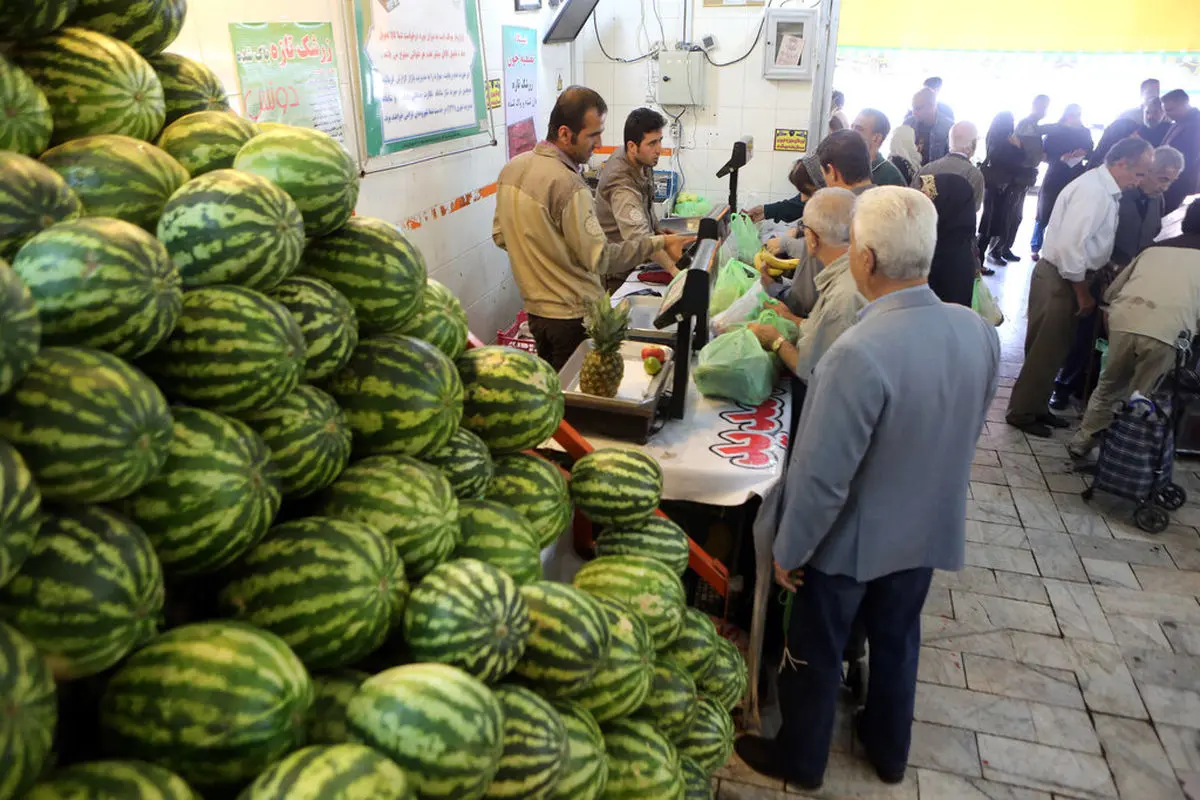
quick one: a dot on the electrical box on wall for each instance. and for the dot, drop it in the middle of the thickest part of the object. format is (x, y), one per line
(681, 78)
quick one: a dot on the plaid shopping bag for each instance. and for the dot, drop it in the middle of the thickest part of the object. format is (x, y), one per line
(1138, 451)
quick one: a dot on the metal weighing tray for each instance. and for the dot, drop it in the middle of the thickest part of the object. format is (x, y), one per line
(642, 311)
(629, 415)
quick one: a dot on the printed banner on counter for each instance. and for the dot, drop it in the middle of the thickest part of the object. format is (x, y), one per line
(287, 72)
(520, 88)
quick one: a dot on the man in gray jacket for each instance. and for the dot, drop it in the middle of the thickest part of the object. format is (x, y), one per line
(876, 491)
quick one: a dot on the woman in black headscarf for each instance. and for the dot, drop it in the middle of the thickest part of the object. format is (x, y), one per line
(952, 276)
(1004, 165)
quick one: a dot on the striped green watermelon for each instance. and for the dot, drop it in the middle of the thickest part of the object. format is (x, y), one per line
(535, 746)
(118, 176)
(25, 119)
(109, 780)
(616, 486)
(206, 140)
(468, 614)
(20, 329)
(20, 512)
(569, 640)
(466, 463)
(695, 648)
(513, 399)
(333, 590)
(646, 585)
(400, 394)
(95, 84)
(654, 537)
(231, 227)
(315, 170)
(232, 350)
(374, 266)
(31, 712)
(32, 198)
(147, 26)
(642, 763)
(309, 439)
(671, 703)
(441, 320)
(215, 497)
(624, 677)
(188, 86)
(586, 772)
(407, 501)
(443, 727)
(216, 702)
(497, 535)
(103, 283)
(21, 19)
(326, 319)
(331, 695)
(89, 593)
(342, 771)
(91, 428)
(726, 680)
(709, 739)
(537, 489)
(697, 785)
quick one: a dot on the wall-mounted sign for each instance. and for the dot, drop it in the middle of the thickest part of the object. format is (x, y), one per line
(493, 94)
(791, 140)
(520, 88)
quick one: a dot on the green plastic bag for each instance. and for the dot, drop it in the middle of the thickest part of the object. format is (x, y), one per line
(694, 208)
(985, 305)
(733, 281)
(744, 233)
(735, 366)
(785, 326)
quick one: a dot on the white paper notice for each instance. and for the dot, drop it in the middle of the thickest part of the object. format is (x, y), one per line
(791, 48)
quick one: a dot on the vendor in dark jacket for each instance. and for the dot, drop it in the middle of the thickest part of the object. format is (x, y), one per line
(1068, 144)
(1003, 189)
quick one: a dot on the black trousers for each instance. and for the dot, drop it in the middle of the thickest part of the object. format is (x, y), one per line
(1081, 369)
(557, 339)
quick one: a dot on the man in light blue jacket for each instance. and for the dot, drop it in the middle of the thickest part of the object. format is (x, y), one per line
(876, 491)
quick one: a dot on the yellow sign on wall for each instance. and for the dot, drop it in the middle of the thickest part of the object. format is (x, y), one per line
(791, 140)
(493, 93)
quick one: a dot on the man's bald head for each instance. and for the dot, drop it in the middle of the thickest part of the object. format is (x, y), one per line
(964, 138)
(924, 106)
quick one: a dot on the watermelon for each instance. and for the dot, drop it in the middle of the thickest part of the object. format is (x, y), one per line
(319, 175)
(468, 614)
(30, 712)
(107, 591)
(344, 771)
(216, 702)
(695, 648)
(586, 771)
(569, 640)
(118, 176)
(331, 695)
(326, 319)
(697, 785)
(642, 763)
(727, 679)
(333, 590)
(109, 780)
(147, 26)
(91, 428)
(616, 486)
(537, 489)
(654, 537)
(535, 746)
(374, 266)
(624, 677)
(671, 703)
(20, 512)
(232, 350)
(20, 329)
(309, 439)
(513, 399)
(497, 535)
(709, 739)
(407, 501)
(188, 86)
(22, 19)
(95, 84)
(25, 119)
(102, 283)
(230, 227)
(206, 140)
(400, 394)
(214, 499)
(443, 727)
(646, 585)
(32, 198)
(465, 462)
(441, 320)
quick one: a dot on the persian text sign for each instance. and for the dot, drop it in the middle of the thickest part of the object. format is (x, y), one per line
(791, 140)
(520, 88)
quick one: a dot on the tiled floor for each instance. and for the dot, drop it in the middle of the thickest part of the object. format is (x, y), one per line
(1064, 660)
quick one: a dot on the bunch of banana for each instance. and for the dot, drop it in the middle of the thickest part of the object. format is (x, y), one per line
(775, 266)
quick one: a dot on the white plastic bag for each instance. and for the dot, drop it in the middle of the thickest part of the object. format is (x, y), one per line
(744, 309)
(985, 304)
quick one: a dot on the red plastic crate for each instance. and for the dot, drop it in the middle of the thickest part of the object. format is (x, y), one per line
(509, 338)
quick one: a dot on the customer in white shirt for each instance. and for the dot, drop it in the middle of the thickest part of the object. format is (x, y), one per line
(1079, 241)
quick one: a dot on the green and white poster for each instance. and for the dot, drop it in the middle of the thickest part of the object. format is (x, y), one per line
(287, 72)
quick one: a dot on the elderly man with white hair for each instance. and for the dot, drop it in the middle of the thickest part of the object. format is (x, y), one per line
(964, 140)
(876, 491)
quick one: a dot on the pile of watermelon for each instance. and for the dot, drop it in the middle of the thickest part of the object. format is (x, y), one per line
(268, 527)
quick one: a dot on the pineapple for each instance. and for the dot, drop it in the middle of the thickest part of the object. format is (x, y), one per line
(604, 367)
